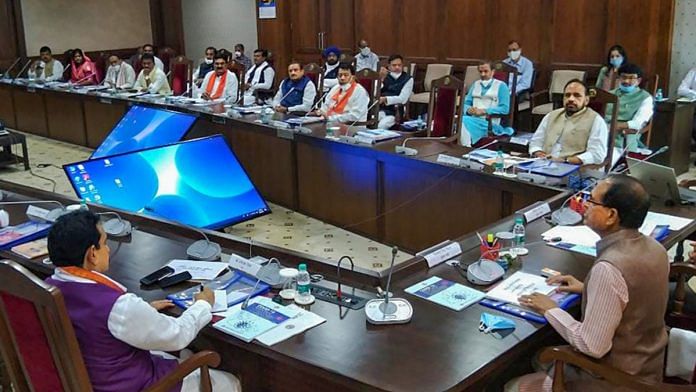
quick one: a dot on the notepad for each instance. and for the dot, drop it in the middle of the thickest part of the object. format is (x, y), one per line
(446, 293)
(518, 284)
(32, 249)
(261, 315)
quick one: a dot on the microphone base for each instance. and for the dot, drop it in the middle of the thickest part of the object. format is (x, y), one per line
(484, 272)
(565, 217)
(398, 311)
(117, 228)
(405, 151)
(204, 250)
(472, 165)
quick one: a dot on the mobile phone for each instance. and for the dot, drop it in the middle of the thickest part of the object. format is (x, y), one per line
(157, 275)
(174, 279)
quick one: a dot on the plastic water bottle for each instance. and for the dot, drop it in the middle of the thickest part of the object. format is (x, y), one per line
(499, 164)
(421, 123)
(303, 289)
(658, 95)
(519, 231)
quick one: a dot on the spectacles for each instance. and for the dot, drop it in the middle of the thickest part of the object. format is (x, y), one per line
(595, 202)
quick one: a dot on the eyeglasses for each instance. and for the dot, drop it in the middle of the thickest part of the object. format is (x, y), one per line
(595, 202)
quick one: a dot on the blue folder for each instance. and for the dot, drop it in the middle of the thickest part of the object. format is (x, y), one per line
(564, 301)
(237, 284)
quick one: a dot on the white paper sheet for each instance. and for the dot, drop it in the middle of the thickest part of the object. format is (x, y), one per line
(578, 235)
(519, 283)
(654, 218)
(302, 322)
(199, 270)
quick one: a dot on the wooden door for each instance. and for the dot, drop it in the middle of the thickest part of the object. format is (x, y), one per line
(339, 25)
(306, 29)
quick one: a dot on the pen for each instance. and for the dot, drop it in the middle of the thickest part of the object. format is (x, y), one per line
(480, 238)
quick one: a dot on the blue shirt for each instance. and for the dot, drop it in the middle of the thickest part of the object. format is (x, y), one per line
(525, 70)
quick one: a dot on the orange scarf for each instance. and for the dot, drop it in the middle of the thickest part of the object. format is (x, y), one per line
(86, 274)
(341, 102)
(220, 87)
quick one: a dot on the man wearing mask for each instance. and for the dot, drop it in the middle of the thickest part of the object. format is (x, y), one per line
(241, 57)
(525, 68)
(331, 56)
(574, 133)
(120, 74)
(397, 87)
(149, 49)
(365, 57)
(151, 78)
(347, 101)
(205, 66)
(219, 83)
(635, 104)
(260, 76)
(46, 68)
(486, 96)
(296, 92)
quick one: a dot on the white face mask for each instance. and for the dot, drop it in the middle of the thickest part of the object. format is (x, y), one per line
(395, 75)
(114, 68)
(237, 54)
(486, 83)
(515, 54)
(208, 61)
(42, 64)
(365, 51)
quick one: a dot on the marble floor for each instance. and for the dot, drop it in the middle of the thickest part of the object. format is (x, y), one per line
(283, 227)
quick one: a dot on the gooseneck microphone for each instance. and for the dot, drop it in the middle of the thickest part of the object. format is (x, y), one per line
(473, 165)
(389, 311)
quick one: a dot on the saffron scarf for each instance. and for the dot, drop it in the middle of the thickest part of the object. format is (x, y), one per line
(94, 277)
(340, 102)
(220, 88)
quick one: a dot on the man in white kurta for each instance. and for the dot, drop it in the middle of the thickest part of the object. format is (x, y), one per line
(151, 79)
(348, 101)
(258, 77)
(120, 74)
(220, 83)
(397, 87)
(296, 93)
(485, 97)
(46, 68)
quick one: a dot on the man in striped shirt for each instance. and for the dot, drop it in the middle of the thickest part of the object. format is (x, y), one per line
(624, 294)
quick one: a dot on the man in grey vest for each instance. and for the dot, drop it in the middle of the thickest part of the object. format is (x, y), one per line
(574, 133)
(624, 296)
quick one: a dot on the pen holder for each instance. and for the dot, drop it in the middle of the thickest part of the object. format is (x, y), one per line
(490, 252)
(577, 205)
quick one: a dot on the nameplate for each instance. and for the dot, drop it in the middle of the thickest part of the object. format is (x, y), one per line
(105, 100)
(536, 212)
(31, 89)
(241, 264)
(519, 140)
(364, 139)
(449, 160)
(285, 133)
(219, 120)
(37, 213)
(441, 252)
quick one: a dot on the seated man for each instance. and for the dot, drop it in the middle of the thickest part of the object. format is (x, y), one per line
(205, 66)
(331, 55)
(149, 49)
(525, 68)
(120, 74)
(574, 133)
(46, 68)
(220, 83)
(117, 330)
(151, 78)
(687, 89)
(346, 102)
(260, 76)
(241, 57)
(635, 104)
(397, 87)
(486, 96)
(624, 294)
(296, 93)
(365, 57)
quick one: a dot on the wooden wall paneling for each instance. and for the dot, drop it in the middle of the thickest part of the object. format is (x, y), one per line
(339, 24)
(12, 43)
(30, 113)
(505, 19)
(306, 27)
(579, 32)
(65, 116)
(420, 34)
(378, 22)
(663, 54)
(274, 35)
(167, 24)
(7, 107)
(466, 26)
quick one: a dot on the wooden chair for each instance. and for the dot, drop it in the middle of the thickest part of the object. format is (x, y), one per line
(432, 72)
(181, 75)
(314, 73)
(504, 72)
(238, 69)
(681, 273)
(544, 101)
(445, 107)
(599, 99)
(370, 80)
(471, 74)
(38, 341)
(166, 54)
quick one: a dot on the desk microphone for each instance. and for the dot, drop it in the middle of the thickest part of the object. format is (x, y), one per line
(204, 250)
(248, 297)
(7, 72)
(38, 214)
(81, 80)
(402, 149)
(368, 113)
(66, 69)
(473, 165)
(286, 95)
(303, 129)
(394, 311)
(21, 71)
(116, 227)
(657, 152)
(483, 274)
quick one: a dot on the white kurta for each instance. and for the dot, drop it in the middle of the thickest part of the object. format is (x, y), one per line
(385, 121)
(596, 143)
(122, 76)
(158, 82)
(308, 96)
(230, 90)
(57, 72)
(255, 83)
(355, 109)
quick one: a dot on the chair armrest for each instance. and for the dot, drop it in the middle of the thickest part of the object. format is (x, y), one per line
(561, 355)
(539, 98)
(201, 360)
(677, 269)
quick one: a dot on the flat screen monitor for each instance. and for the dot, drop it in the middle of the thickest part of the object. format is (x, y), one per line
(197, 182)
(143, 127)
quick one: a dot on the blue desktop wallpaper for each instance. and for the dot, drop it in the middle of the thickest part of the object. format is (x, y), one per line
(198, 182)
(142, 127)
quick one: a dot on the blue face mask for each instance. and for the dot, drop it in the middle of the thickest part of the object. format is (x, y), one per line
(491, 323)
(616, 62)
(628, 89)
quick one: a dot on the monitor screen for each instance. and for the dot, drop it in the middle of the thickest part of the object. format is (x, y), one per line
(142, 127)
(198, 182)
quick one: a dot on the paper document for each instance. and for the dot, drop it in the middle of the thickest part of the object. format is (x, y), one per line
(655, 218)
(520, 283)
(199, 270)
(446, 293)
(578, 235)
(296, 325)
(261, 315)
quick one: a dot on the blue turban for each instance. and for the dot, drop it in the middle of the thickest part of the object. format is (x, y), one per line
(332, 49)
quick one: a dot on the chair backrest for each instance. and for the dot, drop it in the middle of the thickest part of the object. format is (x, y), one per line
(410, 68)
(599, 101)
(647, 129)
(445, 108)
(678, 318)
(560, 77)
(237, 68)
(370, 80)
(435, 71)
(508, 74)
(471, 74)
(37, 338)
(180, 74)
(166, 54)
(313, 72)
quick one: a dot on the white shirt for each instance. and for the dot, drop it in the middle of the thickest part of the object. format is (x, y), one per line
(268, 73)
(230, 90)
(355, 109)
(159, 64)
(136, 323)
(596, 149)
(330, 83)
(158, 82)
(643, 115)
(370, 61)
(309, 94)
(57, 72)
(687, 87)
(403, 96)
(122, 76)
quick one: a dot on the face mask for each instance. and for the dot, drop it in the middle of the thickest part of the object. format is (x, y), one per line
(486, 83)
(237, 54)
(114, 68)
(628, 89)
(208, 61)
(395, 75)
(616, 62)
(515, 54)
(491, 323)
(365, 51)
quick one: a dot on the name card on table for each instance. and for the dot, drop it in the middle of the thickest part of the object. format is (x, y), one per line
(441, 252)
(536, 211)
(285, 133)
(449, 160)
(247, 266)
